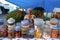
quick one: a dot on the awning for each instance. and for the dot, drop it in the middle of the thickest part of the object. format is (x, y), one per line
(48, 5)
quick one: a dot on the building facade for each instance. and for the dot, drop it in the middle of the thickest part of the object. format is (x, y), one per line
(4, 8)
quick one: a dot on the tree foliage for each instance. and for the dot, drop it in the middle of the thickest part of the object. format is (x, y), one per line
(16, 14)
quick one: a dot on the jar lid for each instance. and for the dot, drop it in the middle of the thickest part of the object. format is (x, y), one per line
(10, 20)
(17, 28)
(54, 20)
(38, 21)
(25, 22)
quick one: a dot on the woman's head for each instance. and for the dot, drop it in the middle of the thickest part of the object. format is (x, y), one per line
(29, 10)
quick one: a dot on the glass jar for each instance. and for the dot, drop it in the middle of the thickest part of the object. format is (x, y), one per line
(38, 32)
(31, 32)
(11, 31)
(17, 31)
(54, 33)
(46, 31)
(4, 31)
(54, 28)
(25, 28)
(39, 22)
(24, 32)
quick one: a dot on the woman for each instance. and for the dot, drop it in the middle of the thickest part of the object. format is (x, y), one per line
(30, 17)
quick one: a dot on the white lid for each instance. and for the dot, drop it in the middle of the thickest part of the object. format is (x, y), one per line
(10, 20)
(17, 28)
(25, 22)
(54, 19)
(38, 21)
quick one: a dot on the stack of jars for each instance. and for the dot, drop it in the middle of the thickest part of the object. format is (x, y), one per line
(54, 28)
(46, 31)
(11, 25)
(25, 28)
(17, 31)
(38, 23)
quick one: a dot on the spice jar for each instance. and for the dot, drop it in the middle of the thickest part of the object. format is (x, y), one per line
(46, 31)
(11, 29)
(54, 28)
(24, 32)
(4, 31)
(17, 31)
(38, 33)
(25, 28)
(31, 32)
(54, 33)
(38, 24)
